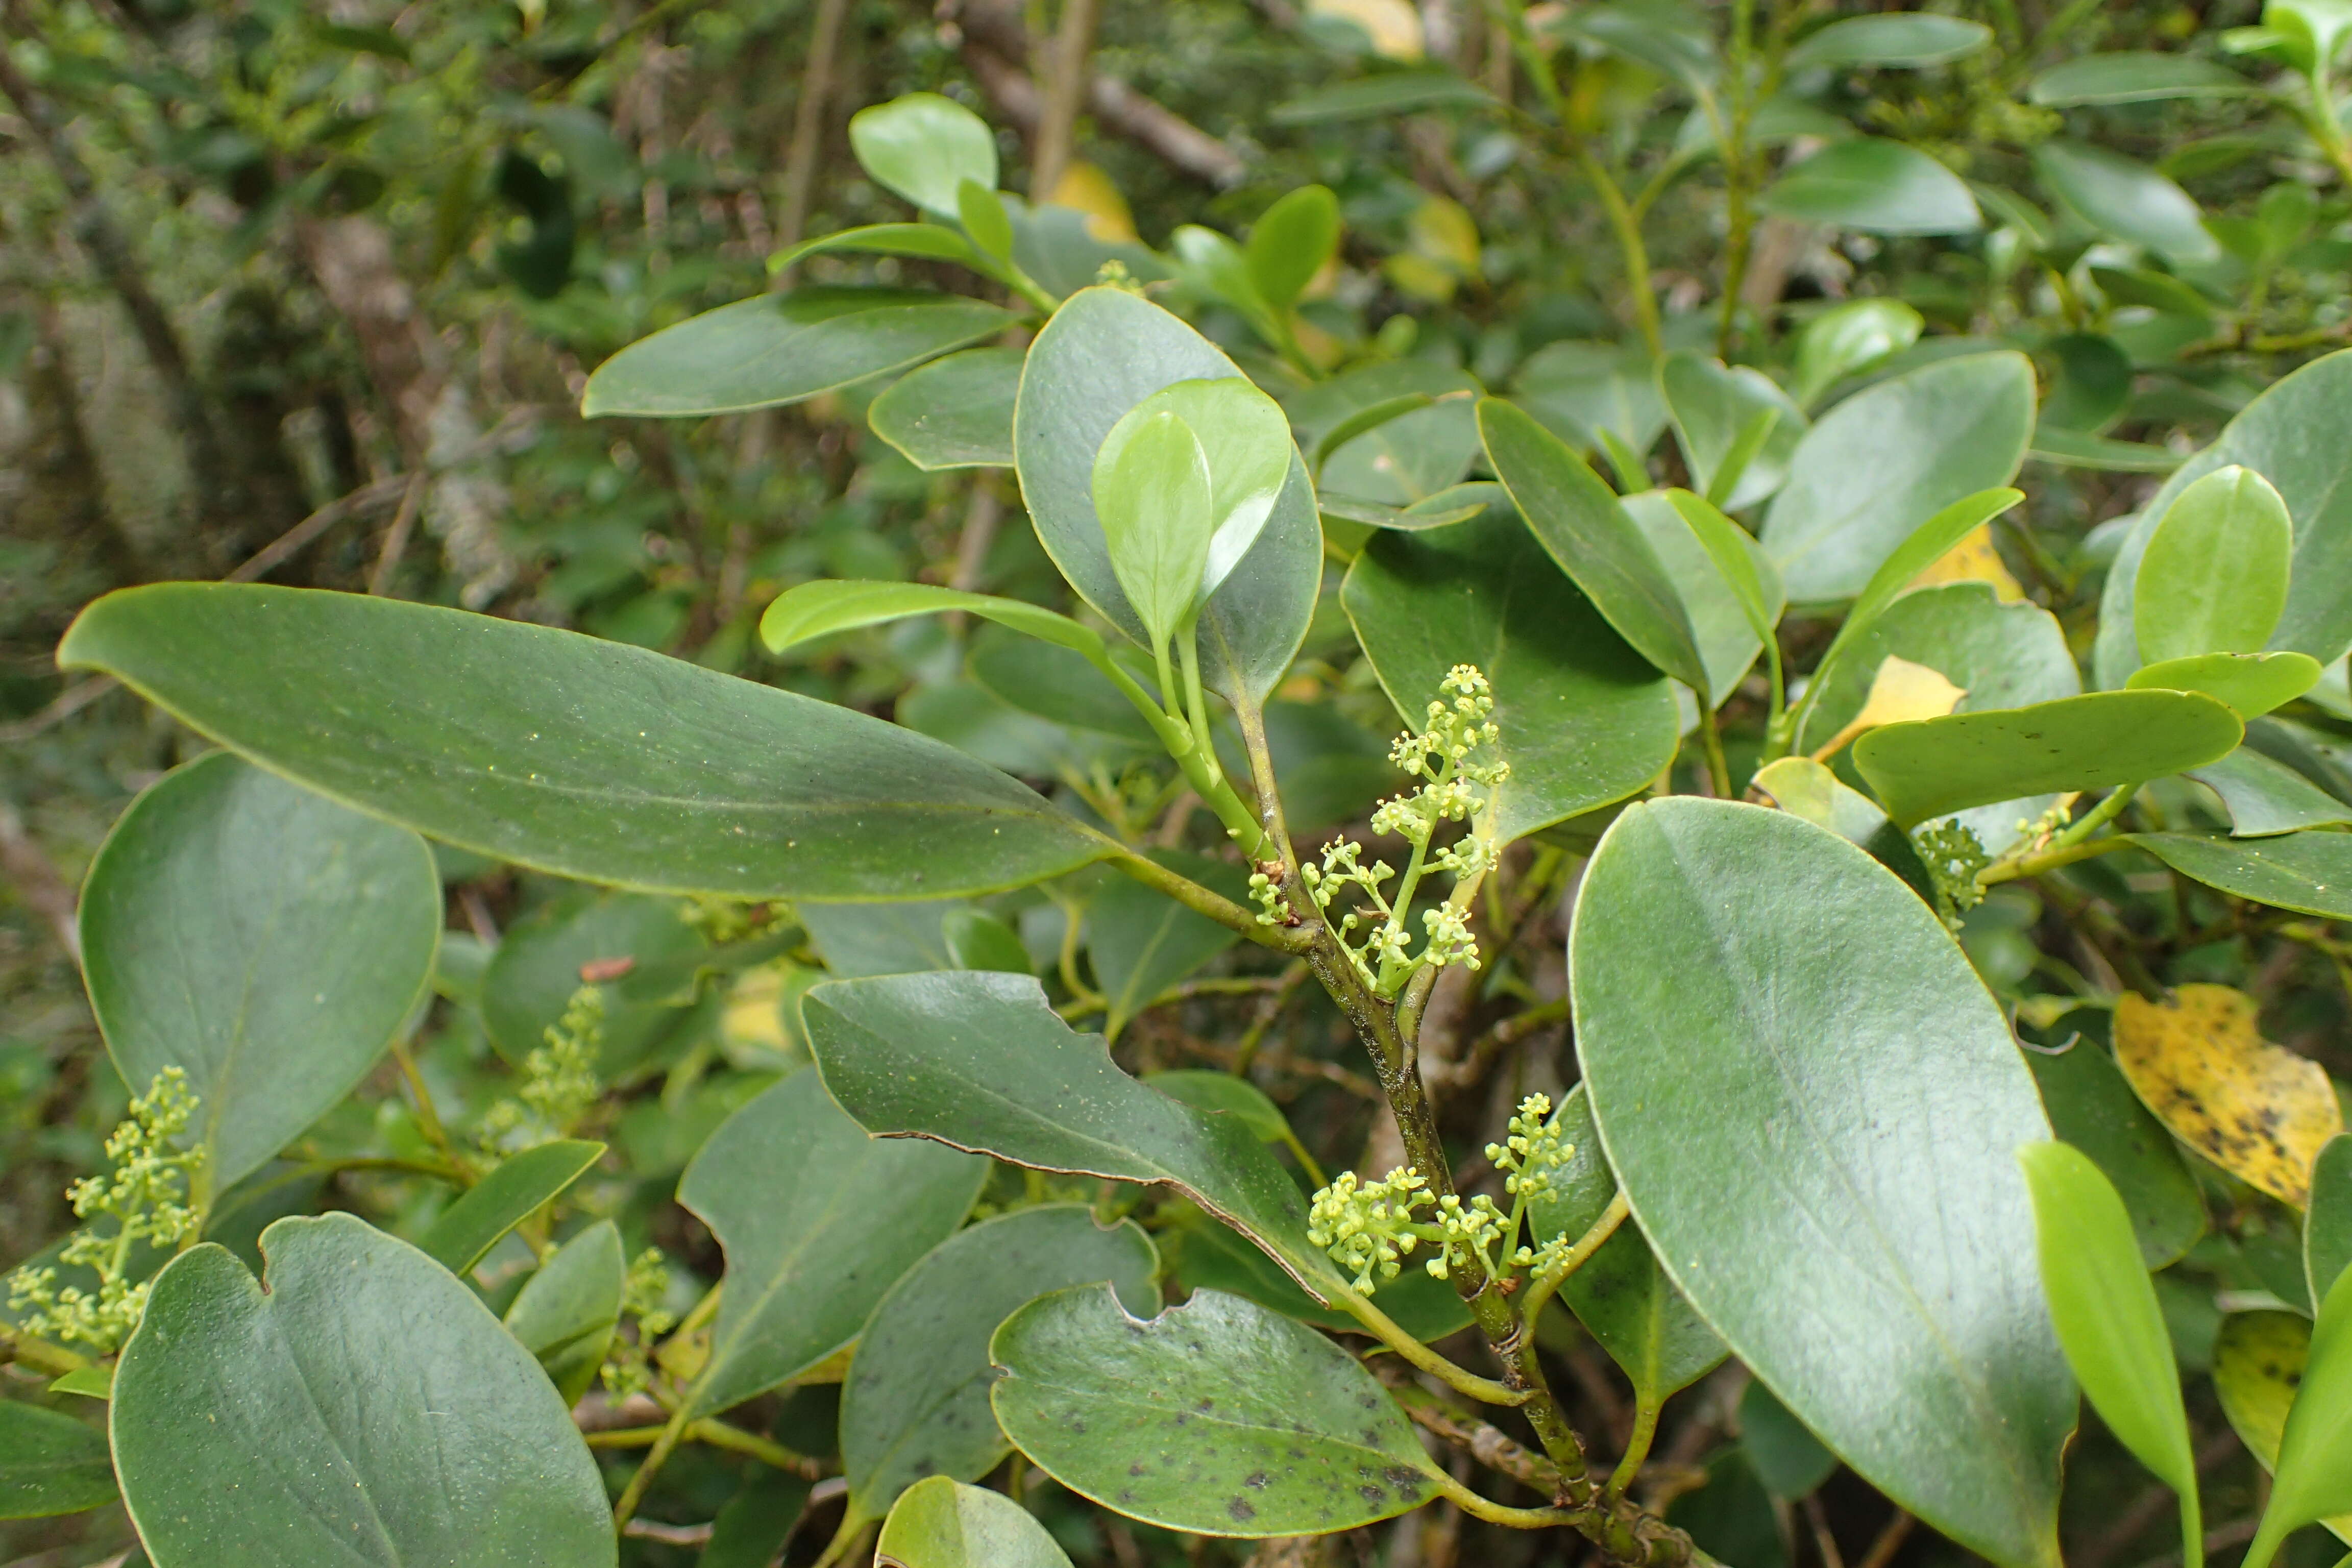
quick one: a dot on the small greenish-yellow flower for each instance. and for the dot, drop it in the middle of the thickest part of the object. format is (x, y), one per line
(558, 1085)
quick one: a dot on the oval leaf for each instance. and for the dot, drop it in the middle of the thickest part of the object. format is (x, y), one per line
(1875, 185)
(1152, 490)
(2132, 76)
(2307, 872)
(566, 1312)
(953, 413)
(924, 147)
(942, 1524)
(2252, 684)
(1894, 38)
(50, 1463)
(1713, 409)
(1845, 338)
(2129, 200)
(2266, 797)
(518, 1188)
(2213, 577)
(1291, 243)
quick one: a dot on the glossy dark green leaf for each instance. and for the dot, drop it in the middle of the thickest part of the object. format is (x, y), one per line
(2307, 872)
(1224, 1092)
(1731, 1517)
(940, 1523)
(1844, 338)
(2252, 684)
(982, 1062)
(1104, 351)
(1621, 1295)
(2108, 1323)
(2135, 76)
(817, 1219)
(1142, 942)
(1892, 39)
(50, 1463)
(519, 1187)
(953, 413)
(2327, 1223)
(1585, 720)
(366, 1409)
(1875, 185)
(978, 941)
(924, 147)
(751, 1530)
(1290, 242)
(2266, 797)
(635, 943)
(1932, 767)
(567, 1310)
(2129, 200)
(1713, 408)
(1218, 1417)
(2093, 385)
(2093, 1109)
(897, 937)
(784, 348)
(1580, 522)
(1880, 464)
(1793, 1067)
(263, 939)
(916, 1402)
(2288, 434)
(2213, 576)
(592, 759)
(2312, 1479)
(1789, 1460)
(928, 241)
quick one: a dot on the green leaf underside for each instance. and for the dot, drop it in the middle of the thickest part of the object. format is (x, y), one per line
(1218, 1417)
(567, 1310)
(953, 413)
(502, 1200)
(816, 1219)
(50, 1463)
(1930, 767)
(916, 1402)
(2310, 873)
(563, 752)
(980, 1061)
(264, 939)
(942, 1524)
(784, 348)
(367, 1409)
(2266, 797)
(1585, 720)
(1795, 1071)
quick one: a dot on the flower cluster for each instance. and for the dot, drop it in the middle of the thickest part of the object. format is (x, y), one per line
(1367, 1227)
(148, 1195)
(558, 1086)
(628, 1364)
(1953, 855)
(725, 921)
(1455, 786)
(1533, 1152)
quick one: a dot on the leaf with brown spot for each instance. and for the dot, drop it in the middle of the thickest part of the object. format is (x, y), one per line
(2258, 1360)
(2258, 1111)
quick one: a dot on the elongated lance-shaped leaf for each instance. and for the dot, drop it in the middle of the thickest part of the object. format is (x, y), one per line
(929, 241)
(2308, 872)
(953, 413)
(2327, 1223)
(2313, 1480)
(1727, 546)
(819, 609)
(1152, 491)
(567, 1311)
(2108, 1323)
(518, 1188)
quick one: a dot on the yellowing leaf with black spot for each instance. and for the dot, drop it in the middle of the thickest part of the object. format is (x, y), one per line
(2258, 1362)
(2258, 1111)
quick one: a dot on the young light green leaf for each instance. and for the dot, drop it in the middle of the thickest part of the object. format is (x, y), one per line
(265, 939)
(520, 1188)
(2091, 1107)
(2214, 575)
(1247, 438)
(1217, 1416)
(1729, 546)
(942, 1524)
(953, 413)
(925, 148)
(50, 1463)
(1151, 490)
(2327, 1223)
(819, 609)
(1291, 243)
(2108, 1323)
(1875, 185)
(1908, 39)
(567, 1310)
(2312, 1479)
(1929, 768)
(982, 217)
(365, 1408)
(1844, 338)
(1727, 641)
(816, 1219)
(926, 241)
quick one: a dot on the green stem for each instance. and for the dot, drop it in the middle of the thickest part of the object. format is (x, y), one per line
(1477, 1507)
(1718, 772)
(2192, 1527)
(1205, 901)
(716, 1434)
(1635, 252)
(1381, 1327)
(1541, 1292)
(428, 1117)
(635, 1493)
(1637, 1447)
(2065, 848)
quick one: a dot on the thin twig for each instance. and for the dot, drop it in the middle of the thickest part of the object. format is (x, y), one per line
(808, 120)
(668, 1534)
(64, 705)
(1066, 81)
(1890, 1541)
(395, 538)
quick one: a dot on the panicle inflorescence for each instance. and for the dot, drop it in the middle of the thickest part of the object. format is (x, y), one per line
(558, 1085)
(1953, 855)
(628, 1364)
(148, 1194)
(1367, 1227)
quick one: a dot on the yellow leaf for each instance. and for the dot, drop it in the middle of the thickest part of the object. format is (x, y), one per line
(1085, 187)
(2256, 1109)
(1972, 560)
(1420, 278)
(1392, 26)
(2258, 1360)
(1900, 691)
(1443, 231)
(755, 1010)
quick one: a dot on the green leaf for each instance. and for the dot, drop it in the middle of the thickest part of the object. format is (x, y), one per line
(982, 1062)
(1058, 684)
(1910, 39)
(2213, 576)
(96, 1382)
(1222, 1092)
(50, 1463)
(2129, 200)
(820, 609)
(924, 147)
(1217, 1416)
(1585, 720)
(977, 940)
(1930, 768)
(365, 1408)
(2310, 873)
(1142, 942)
(567, 1310)
(896, 938)
(2258, 1362)
(2107, 1319)
(915, 1403)
(2093, 386)
(265, 939)
(983, 215)
(1152, 491)
(1209, 1257)
(2327, 1223)
(1104, 352)
(1714, 410)
(784, 348)
(1876, 186)
(926, 241)
(1581, 525)
(1789, 1460)
(1879, 463)
(516, 1189)
(1245, 438)
(1290, 242)
(1793, 1068)
(1621, 1295)
(816, 1219)
(940, 1523)
(1581, 389)
(953, 413)
(2266, 797)
(559, 751)
(1805, 788)
(2289, 435)
(2073, 449)
(2252, 684)
(1381, 96)
(1845, 338)
(751, 1530)
(2312, 1479)
(2093, 1108)
(1721, 618)
(2135, 76)
(635, 940)
(1420, 446)
(1740, 563)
